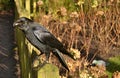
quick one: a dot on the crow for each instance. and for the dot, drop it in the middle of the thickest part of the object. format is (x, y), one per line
(42, 39)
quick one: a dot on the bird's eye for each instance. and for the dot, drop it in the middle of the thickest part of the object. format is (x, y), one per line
(21, 21)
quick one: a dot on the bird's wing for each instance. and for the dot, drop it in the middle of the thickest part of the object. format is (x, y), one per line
(47, 38)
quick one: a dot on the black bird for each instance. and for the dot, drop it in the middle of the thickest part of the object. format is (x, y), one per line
(42, 39)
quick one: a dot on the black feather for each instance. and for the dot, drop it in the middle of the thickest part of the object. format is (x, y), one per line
(42, 39)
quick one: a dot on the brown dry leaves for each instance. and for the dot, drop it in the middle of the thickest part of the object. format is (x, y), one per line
(99, 13)
(94, 72)
(116, 74)
(40, 3)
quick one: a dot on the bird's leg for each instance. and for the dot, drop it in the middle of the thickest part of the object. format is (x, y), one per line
(47, 54)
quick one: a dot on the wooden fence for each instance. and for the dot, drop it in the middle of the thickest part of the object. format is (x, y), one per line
(27, 8)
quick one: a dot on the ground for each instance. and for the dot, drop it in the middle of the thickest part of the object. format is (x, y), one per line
(7, 44)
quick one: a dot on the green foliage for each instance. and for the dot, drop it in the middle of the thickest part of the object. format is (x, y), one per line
(58, 8)
(6, 4)
(54, 5)
(114, 65)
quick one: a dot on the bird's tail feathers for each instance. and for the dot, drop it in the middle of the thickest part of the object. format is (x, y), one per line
(61, 59)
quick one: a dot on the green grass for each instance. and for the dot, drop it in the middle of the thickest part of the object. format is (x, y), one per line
(6, 4)
(114, 65)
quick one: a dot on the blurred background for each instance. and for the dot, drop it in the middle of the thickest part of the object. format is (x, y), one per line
(90, 29)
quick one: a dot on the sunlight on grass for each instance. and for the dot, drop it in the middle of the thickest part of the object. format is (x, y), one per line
(114, 65)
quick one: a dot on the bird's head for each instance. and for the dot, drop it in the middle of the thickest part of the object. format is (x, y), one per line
(22, 23)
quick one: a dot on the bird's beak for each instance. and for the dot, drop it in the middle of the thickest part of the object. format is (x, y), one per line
(15, 24)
